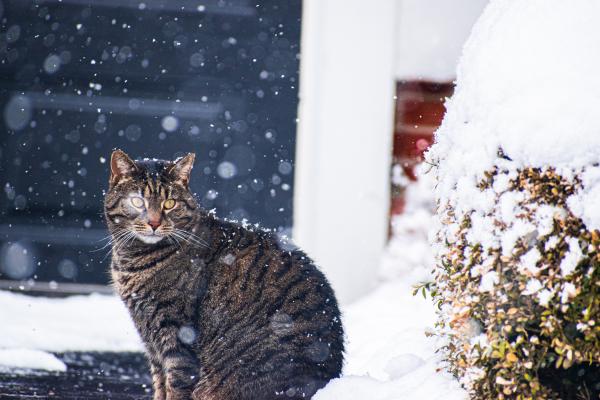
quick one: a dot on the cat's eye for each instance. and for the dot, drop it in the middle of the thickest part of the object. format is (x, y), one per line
(168, 204)
(137, 202)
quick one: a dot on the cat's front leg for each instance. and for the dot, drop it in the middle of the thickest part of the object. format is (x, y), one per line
(182, 374)
(158, 382)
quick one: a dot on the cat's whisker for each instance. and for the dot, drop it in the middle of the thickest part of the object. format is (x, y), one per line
(186, 239)
(110, 234)
(128, 240)
(119, 247)
(107, 237)
(103, 247)
(112, 239)
(192, 237)
(177, 236)
(119, 242)
(174, 238)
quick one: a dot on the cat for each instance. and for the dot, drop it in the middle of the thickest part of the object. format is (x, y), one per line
(225, 312)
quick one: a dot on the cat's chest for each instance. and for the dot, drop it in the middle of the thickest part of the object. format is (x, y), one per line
(148, 293)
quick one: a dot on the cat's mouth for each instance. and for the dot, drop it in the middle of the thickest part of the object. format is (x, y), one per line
(149, 238)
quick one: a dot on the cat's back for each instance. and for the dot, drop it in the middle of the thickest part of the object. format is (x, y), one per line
(270, 320)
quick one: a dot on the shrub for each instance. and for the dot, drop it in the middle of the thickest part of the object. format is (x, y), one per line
(517, 282)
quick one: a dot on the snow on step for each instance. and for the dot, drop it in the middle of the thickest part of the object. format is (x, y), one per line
(26, 359)
(78, 323)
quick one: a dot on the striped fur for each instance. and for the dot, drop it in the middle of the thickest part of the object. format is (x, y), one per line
(226, 312)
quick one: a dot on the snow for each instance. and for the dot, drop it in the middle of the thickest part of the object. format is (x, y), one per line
(572, 257)
(408, 254)
(569, 291)
(533, 286)
(488, 281)
(528, 262)
(584, 203)
(430, 36)
(26, 359)
(544, 297)
(78, 323)
(388, 356)
(521, 68)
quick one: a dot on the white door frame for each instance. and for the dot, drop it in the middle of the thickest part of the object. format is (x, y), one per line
(344, 140)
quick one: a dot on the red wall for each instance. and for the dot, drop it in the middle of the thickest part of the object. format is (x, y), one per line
(419, 112)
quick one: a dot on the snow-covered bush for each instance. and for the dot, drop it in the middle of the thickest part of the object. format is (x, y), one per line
(517, 273)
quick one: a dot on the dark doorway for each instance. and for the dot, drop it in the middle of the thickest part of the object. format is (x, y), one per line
(155, 78)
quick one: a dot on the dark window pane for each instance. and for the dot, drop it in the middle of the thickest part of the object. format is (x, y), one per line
(156, 79)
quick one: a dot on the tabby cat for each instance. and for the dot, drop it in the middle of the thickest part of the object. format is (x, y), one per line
(225, 312)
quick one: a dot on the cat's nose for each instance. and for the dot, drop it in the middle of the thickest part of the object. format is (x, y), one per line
(154, 223)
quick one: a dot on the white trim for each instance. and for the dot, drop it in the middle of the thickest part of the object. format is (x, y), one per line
(343, 151)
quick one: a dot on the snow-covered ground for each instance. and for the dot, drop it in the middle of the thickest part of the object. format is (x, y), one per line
(388, 355)
(33, 327)
(78, 323)
(27, 359)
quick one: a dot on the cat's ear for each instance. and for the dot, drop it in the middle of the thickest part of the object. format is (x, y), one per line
(181, 169)
(121, 166)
